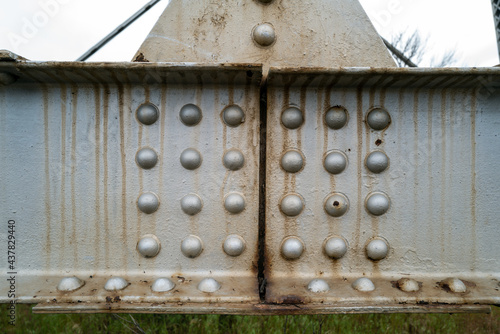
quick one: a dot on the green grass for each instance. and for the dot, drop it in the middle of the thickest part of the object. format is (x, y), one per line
(153, 323)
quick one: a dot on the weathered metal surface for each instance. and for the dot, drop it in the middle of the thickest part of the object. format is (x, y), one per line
(258, 309)
(321, 33)
(72, 182)
(435, 211)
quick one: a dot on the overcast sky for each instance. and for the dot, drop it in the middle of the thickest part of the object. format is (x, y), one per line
(65, 29)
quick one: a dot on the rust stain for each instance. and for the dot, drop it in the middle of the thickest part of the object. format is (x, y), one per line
(74, 107)
(48, 214)
(430, 201)
(63, 172)
(105, 116)
(473, 178)
(123, 156)
(97, 203)
(442, 210)
(415, 169)
(140, 58)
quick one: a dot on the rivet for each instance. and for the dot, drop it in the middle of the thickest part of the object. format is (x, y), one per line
(336, 205)
(116, 284)
(292, 205)
(146, 158)
(149, 245)
(191, 246)
(190, 159)
(377, 249)
(318, 286)
(454, 284)
(264, 34)
(233, 115)
(377, 203)
(292, 248)
(208, 285)
(292, 161)
(363, 284)
(408, 285)
(335, 162)
(190, 114)
(148, 202)
(70, 284)
(335, 247)
(147, 113)
(292, 118)
(234, 203)
(234, 245)
(233, 160)
(377, 162)
(336, 118)
(378, 119)
(162, 284)
(191, 204)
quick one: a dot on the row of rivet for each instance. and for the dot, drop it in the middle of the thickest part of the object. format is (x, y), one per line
(190, 159)
(190, 115)
(149, 246)
(210, 285)
(191, 204)
(161, 284)
(292, 248)
(335, 162)
(336, 204)
(336, 118)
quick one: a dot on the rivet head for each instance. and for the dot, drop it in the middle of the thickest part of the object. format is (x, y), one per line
(453, 284)
(191, 246)
(233, 160)
(149, 245)
(234, 203)
(70, 284)
(377, 203)
(378, 119)
(377, 162)
(292, 118)
(292, 205)
(146, 158)
(264, 34)
(336, 118)
(408, 285)
(208, 285)
(190, 114)
(148, 202)
(335, 162)
(116, 284)
(162, 284)
(292, 161)
(318, 286)
(377, 249)
(147, 113)
(336, 205)
(233, 115)
(191, 204)
(363, 284)
(292, 248)
(335, 247)
(234, 245)
(191, 159)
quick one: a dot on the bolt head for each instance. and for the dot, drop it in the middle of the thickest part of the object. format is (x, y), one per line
(148, 246)
(190, 159)
(146, 158)
(335, 162)
(191, 246)
(264, 34)
(162, 284)
(234, 203)
(116, 284)
(292, 205)
(233, 160)
(208, 285)
(233, 116)
(191, 204)
(234, 245)
(377, 249)
(336, 205)
(363, 284)
(377, 203)
(377, 162)
(190, 115)
(148, 202)
(318, 286)
(378, 119)
(292, 161)
(336, 118)
(147, 113)
(335, 247)
(292, 248)
(292, 118)
(70, 284)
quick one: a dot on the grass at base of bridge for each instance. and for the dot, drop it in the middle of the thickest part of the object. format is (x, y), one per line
(26, 322)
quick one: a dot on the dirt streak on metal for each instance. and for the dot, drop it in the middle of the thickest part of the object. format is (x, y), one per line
(74, 115)
(97, 202)
(473, 178)
(48, 215)
(62, 207)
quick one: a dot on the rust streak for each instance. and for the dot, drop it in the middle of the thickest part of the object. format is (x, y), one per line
(430, 201)
(48, 214)
(63, 173)
(97, 134)
(473, 179)
(105, 116)
(74, 107)
(442, 210)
